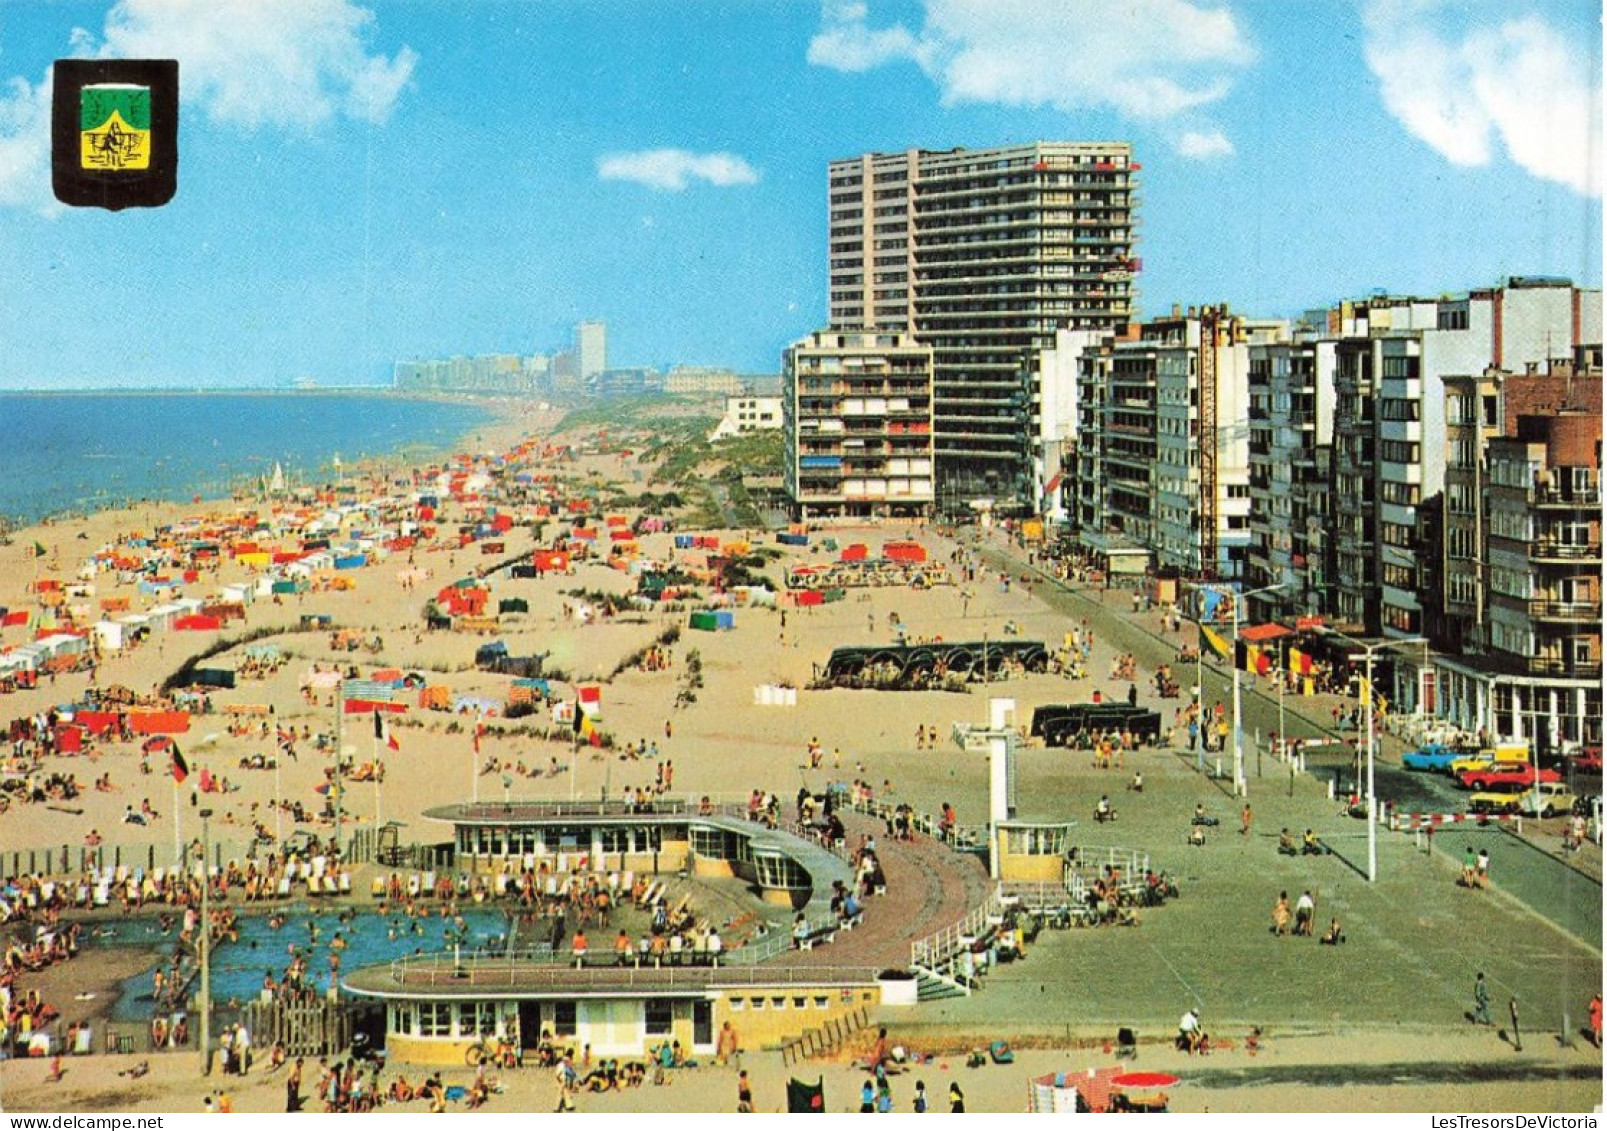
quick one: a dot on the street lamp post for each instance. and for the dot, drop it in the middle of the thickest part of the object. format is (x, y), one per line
(206, 947)
(1372, 742)
(1240, 786)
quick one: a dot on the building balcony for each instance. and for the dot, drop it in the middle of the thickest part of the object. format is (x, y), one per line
(1570, 611)
(1546, 550)
(1567, 498)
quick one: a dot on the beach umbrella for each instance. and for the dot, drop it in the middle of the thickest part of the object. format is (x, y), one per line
(1144, 1081)
(158, 742)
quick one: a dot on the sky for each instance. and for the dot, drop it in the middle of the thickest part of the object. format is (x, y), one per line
(366, 183)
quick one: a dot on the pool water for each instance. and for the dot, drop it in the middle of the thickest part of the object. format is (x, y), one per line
(238, 966)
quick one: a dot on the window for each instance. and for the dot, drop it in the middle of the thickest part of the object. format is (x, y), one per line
(402, 1019)
(660, 1016)
(435, 1019)
(563, 1018)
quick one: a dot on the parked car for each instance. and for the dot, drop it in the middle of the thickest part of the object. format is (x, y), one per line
(1478, 760)
(1552, 800)
(1588, 760)
(1494, 804)
(1507, 776)
(1433, 756)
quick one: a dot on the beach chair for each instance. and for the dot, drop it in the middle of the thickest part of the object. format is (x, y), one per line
(283, 890)
(413, 886)
(1126, 1044)
(345, 883)
(103, 894)
(429, 883)
(376, 890)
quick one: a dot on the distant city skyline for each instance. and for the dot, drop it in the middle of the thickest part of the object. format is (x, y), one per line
(361, 184)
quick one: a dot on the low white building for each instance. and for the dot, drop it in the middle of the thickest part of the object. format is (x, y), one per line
(748, 413)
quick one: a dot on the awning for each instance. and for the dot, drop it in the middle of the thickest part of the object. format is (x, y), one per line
(1260, 633)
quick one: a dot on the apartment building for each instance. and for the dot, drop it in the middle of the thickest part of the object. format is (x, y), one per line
(985, 254)
(1139, 471)
(1291, 394)
(1522, 553)
(1393, 355)
(857, 420)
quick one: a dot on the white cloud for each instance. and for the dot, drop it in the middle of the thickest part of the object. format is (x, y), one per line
(1520, 85)
(1200, 145)
(241, 63)
(1149, 59)
(25, 147)
(675, 169)
(252, 64)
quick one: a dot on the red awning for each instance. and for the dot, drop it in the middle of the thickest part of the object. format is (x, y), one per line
(1260, 633)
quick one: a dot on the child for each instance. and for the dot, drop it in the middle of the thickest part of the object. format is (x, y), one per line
(919, 1102)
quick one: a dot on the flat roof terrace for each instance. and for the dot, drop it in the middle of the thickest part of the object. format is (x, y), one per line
(930, 887)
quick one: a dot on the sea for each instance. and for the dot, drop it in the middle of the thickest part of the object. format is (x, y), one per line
(73, 453)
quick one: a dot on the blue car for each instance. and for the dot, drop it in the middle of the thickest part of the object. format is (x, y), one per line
(1433, 756)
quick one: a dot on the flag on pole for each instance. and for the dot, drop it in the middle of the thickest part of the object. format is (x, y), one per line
(382, 733)
(181, 768)
(588, 730)
(479, 729)
(39, 550)
(287, 743)
(1215, 642)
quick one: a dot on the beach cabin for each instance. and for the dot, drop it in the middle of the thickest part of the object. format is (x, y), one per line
(108, 635)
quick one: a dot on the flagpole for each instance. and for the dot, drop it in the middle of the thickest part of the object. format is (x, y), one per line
(278, 807)
(178, 837)
(378, 817)
(340, 729)
(474, 762)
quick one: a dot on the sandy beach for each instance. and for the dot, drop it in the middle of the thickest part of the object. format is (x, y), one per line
(722, 742)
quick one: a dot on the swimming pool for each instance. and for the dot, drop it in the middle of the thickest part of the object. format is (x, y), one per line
(238, 966)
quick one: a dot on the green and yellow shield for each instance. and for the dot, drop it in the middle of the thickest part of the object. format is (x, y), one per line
(114, 127)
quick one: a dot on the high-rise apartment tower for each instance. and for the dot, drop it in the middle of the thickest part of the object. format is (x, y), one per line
(984, 254)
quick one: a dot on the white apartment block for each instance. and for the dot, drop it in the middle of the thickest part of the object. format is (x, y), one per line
(857, 417)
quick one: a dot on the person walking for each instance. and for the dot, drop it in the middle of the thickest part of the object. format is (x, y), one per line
(956, 1098)
(744, 1093)
(1595, 1020)
(1517, 1037)
(1481, 1001)
(1244, 820)
(918, 1101)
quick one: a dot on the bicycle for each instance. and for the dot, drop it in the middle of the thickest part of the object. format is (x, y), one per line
(489, 1049)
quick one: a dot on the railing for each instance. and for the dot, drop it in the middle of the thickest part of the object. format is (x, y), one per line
(1565, 610)
(941, 947)
(446, 970)
(1546, 549)
(1128, 861)
(1571, 497)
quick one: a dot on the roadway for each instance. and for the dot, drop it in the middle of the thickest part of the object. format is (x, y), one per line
(1562, 892)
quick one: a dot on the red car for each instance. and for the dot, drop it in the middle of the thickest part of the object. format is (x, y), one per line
(1588, 760)
(1504, 775)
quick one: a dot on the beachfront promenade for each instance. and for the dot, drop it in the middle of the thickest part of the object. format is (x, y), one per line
(1414, 940)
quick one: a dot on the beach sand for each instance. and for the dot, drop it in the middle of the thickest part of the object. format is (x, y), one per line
(723, 744)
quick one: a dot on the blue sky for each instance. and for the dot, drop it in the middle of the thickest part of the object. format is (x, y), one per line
(361, 183)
